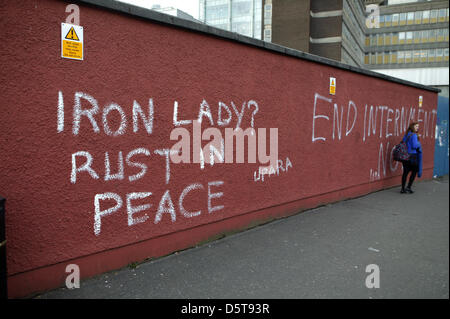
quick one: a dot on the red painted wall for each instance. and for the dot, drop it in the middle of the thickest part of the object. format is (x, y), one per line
(50, 220)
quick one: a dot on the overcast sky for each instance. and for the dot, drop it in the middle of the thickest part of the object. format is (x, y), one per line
(188, 6)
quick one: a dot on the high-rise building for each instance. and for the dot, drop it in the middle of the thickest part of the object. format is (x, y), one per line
(329, 28)
(241, 16)
(334, 29)
(411, 41)
(402, 38)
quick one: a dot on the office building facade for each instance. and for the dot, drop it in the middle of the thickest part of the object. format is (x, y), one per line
(409, 40)
(241, 16)
(329, 28)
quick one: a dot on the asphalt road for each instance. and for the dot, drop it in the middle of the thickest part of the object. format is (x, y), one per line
(320, 253)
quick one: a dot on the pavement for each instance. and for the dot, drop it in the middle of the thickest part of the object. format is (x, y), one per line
(320, 253)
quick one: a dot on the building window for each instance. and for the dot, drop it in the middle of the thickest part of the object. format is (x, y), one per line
(426, 16)
(446, 54)
(394, 38)
(379, 57)
(440, 35)
(403, 18)
(423, 56)
(439, 55)
(418, 17)
(408, 56)
(416, 56)
(409, 37)
(431, 55)
(387, 39)
(395, 18)
(380, 40)
(386, 58)
(381, 21)
(433, 16)
(216, 14)
(417, 36)
(424, 36)
(442, 15)
(268, 35)
(400, 56)
(410, 17)
(268, 14)
(431, 35)
(393, 57)
(402, 37)
(387, 20)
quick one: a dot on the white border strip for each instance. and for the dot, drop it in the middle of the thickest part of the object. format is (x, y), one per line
(326, 40)
(326, 14)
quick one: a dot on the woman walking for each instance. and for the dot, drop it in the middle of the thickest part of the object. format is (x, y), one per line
(414, 164)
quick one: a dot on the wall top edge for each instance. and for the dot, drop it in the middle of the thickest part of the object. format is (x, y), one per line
(206, 29)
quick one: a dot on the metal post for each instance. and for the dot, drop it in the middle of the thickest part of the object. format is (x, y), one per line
(3, 272)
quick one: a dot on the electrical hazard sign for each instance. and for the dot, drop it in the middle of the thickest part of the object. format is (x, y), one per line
(71, 41)
(72, 35)
(332, 86)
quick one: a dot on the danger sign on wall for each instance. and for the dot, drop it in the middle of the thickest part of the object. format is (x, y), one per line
(332, 86)
(71, 41)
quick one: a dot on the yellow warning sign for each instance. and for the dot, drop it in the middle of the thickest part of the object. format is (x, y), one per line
(72, 41)
(420, 100)
(332, 86)
(72, 35)
(73, 50)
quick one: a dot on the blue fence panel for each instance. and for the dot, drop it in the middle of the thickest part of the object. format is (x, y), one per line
(442, 135)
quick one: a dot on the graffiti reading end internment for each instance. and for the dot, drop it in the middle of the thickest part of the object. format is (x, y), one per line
(380, 122)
